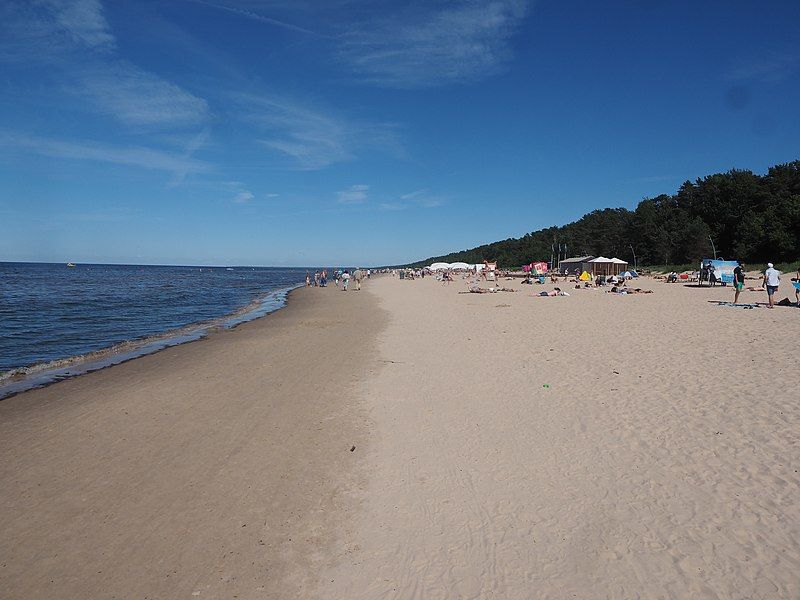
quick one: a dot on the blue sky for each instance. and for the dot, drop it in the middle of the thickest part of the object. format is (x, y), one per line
(282, 132)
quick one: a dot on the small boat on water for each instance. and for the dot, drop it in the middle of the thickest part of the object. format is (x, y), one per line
(229, 269)
(70, 264)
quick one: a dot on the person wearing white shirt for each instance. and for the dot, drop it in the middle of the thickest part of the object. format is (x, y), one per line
(772, 279)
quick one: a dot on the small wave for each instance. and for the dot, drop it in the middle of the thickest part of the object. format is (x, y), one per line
(25, 378)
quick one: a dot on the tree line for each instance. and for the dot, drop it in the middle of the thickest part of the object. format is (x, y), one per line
(739, 215)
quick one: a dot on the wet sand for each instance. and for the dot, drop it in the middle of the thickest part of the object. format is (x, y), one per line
(218, 469)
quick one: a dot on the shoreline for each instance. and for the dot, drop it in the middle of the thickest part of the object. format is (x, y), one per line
(222, 466)
(21, 379)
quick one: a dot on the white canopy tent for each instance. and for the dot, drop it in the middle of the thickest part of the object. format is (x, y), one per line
(607, 266)
(456, 266)
(440, 266)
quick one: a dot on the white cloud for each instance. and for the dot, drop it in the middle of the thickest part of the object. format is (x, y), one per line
(308, 138)
(51, 30)
(424, 46)
(355, 194)
(767, 68)
(393, 206)
(137, 97)
(243, 197)
(82, 19)
(71, 42)
(250, 14)
(422, 199)
(134, 156)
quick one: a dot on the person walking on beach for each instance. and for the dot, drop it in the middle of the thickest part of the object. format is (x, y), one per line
(308, 279)
(797, 288)
(345, 280)
(738, 281)
(772, 279)
(357, 276)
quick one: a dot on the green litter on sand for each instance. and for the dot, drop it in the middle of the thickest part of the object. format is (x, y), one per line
(546, 385)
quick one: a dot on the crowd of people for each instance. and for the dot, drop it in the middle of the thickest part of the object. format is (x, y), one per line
(341, 278)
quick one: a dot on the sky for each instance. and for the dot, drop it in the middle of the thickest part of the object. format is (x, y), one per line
(294, 132)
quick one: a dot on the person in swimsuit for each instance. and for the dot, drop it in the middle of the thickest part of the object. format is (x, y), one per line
(738, 281)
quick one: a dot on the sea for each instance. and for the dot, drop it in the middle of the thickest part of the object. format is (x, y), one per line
(58, 321)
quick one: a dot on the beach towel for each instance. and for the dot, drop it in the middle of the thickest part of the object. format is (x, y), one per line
(731, 304)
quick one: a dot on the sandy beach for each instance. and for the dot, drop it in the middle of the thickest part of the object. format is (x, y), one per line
(217, 469)
(506, 446)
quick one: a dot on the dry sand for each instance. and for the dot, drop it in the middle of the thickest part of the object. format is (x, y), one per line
(660, 462)
(217, 469)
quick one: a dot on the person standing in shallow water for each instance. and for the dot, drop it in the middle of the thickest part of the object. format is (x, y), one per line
(738, 281)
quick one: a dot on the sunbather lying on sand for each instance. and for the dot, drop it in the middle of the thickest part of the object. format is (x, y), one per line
(555, 292)
(625, 291)
(476, 289)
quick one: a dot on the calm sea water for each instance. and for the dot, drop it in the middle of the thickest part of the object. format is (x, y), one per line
(54, 317)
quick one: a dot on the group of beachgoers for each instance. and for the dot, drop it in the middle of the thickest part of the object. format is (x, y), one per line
(770, 282)
(341, 278)
(615, 284)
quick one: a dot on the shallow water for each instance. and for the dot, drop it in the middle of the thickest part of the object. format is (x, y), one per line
(55, 320)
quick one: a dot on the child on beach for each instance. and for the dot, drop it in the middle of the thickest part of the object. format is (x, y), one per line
(345, 280)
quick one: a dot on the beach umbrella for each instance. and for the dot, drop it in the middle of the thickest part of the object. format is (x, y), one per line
(585, 276)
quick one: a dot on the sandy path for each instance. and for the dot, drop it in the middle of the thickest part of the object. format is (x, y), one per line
(633, 475)
(216, 469)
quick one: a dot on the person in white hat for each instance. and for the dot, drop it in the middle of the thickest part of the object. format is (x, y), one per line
(772, 279)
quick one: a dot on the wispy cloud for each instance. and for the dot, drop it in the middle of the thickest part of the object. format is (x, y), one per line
(423, 199)
(422, 47)
(355, 194)
(51, 30)
(416, 199)
(308, 138)
(243, 197)
(250, 14)
(72, 42)
(767, 68)
(146, 158)
(137, 97)
(82, 19)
